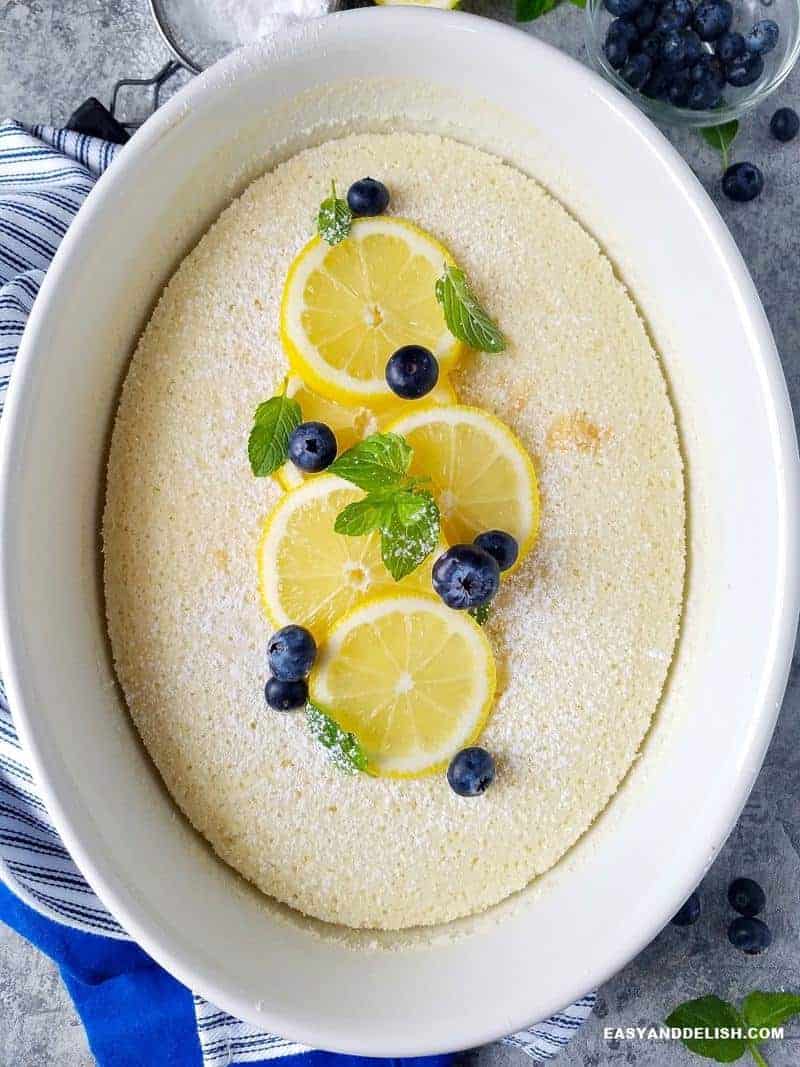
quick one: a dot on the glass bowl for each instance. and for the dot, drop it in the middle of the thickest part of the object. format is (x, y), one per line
(736, 102)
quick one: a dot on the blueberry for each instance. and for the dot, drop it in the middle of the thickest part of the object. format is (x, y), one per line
(368, 196)
(750, 935)
(693, 46)
(656, 86)
(623, 7)
(290, 653)
(673, 49)
(709, 68)
(762, 38)
(466, 576)
(501, 545)
(746, 896)
(730, 46)
(784, 124)
(645, 17)
(704, 95)
(623, 29)
(312, 446)
(742, 182)
(637, 70)
(689, 913)
(471, 771)
(679, 85)
(712, 18)
(674, 15)
(745, 70)
(286, 696)
(616, 52)
(412, 371)
(651, 45)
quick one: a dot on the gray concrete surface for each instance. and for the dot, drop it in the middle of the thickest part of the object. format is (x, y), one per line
(54, 53)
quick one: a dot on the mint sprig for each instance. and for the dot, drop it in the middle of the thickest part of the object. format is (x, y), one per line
(334, 218)
(344, 749)
(406, 515)
(481, 614)
(273, 422)
(721, 137)
(465, 317)
(759, 1010)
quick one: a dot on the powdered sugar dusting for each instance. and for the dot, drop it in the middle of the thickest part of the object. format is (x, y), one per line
(583, 631)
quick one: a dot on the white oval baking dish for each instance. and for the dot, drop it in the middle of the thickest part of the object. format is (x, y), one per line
(498, 88)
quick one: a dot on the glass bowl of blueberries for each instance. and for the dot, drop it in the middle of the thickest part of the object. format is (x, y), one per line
(694, 64)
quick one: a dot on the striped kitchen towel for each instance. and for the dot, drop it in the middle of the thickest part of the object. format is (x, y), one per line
(135, 1014)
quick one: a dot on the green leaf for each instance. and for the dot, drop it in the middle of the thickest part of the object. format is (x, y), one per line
(527, 10)
(464, 316)
(372, 512)
(721, 138)
(412, 533)
(343, 748)
(268, 444)
(711, 1013)
(481, 614)
(334, 218)
(378, 462)
(769, 1009)
(578, 3)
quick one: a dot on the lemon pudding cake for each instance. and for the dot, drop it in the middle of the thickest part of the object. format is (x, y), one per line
(394, 532)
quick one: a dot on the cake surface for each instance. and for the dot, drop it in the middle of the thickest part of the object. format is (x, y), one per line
(583, 631)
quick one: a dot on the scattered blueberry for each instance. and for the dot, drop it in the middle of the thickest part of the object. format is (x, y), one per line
(312, 446)
(466, 576)
(637, 70)
(745, 70)
(623, 7)
(762, 38)
(750, 935)
(616, 51)
(286, 696)
(712, 18)
(501, 545)
(746, 896)
(742, 182)
(689, 913)
(412, 371)
(645, 17)
(679, 86)
(730, 46)
(290, 653)
(704, 95)
(368, 196)
(784, 124)
(471, 771)
(674, 15)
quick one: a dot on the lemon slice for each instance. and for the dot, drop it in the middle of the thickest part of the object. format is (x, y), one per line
(349, 424)
(483, 479)
(309, 574)
(412, 679)
(346, 308)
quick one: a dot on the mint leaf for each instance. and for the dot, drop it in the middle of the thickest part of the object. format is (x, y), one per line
(363, 516)
(721, 137)
(527, 10)
(769, 1009)
(377, 462)
(268, 444)
(711, 1013)
(343, 748)
(481, 614)
(578, 3)
(334, 218)
(411, 534)
(464, 316)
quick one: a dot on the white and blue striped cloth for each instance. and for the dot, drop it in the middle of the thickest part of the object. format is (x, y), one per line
(45, 174)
